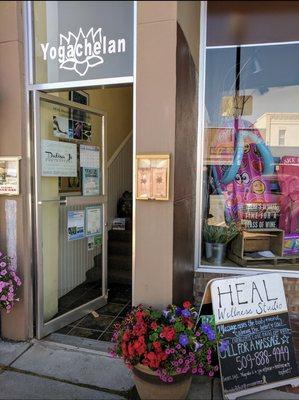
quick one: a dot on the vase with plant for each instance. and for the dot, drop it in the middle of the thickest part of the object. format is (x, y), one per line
(165, 348)
(9, 283)
(216, 239)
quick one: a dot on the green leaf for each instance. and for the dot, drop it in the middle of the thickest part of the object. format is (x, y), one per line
(155, 314)
(154, 336)
(179, 327)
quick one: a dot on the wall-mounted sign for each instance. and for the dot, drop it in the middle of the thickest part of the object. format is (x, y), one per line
(251, 313)
(153, 177)
(58, 158)
(84, 40)
(9, 175)
(83, 50)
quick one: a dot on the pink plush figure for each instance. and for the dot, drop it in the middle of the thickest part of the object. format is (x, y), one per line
(249, 184)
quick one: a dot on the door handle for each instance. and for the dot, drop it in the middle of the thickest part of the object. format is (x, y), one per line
(60, 201)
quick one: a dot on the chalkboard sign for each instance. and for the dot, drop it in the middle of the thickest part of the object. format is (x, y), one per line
(251, 313)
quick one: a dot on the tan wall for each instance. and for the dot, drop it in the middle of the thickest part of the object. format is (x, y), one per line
(166, 121)
(155, 126)
(13, 142)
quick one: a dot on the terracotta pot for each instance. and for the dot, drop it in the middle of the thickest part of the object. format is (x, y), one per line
(150, 386)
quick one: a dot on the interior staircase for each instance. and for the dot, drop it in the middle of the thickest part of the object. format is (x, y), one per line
(119, 263)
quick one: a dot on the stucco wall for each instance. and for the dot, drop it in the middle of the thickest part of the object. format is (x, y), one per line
(13, 143)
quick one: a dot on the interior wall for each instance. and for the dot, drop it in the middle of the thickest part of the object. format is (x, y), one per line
(118, 103)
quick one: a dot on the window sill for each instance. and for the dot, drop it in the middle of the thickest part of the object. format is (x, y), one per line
(243, 271)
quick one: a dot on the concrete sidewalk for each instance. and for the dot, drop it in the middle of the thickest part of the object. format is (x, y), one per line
(48, 370)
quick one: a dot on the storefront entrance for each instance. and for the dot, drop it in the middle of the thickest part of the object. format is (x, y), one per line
(83, 195)
(70, 209)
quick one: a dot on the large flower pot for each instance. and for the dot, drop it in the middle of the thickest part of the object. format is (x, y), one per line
(215, 252)
(150, 387)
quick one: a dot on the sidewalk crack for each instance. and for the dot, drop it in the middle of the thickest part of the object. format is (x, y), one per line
(127, 394)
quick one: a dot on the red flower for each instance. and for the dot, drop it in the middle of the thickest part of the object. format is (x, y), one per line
(168, 333)
(140, 346)
(190, 324)
(124, 348)
(153, 360)
(157, 346)
(186, 304)
(140, 328)
(154, 325)
(139, 314)
(126, 336)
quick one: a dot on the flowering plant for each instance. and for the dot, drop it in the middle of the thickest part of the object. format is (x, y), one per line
(168, 342)
(9, 281)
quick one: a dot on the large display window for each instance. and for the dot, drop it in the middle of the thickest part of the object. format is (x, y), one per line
(250, 168)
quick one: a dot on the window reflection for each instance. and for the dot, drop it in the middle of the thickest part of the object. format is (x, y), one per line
(251, 154)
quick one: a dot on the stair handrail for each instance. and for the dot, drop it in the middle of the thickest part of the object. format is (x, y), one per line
(119, 149)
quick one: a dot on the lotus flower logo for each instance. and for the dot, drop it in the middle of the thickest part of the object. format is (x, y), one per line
(82, 51)
(84, 54)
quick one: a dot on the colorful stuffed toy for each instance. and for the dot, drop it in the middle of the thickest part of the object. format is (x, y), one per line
(246, 178)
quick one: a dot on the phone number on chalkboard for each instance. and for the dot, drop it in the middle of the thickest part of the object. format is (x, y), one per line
(261, 358)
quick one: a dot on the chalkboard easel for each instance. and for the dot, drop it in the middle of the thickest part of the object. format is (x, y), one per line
(251, 313)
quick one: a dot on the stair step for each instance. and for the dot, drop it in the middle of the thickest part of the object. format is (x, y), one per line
(114, 276)
(123, 277)
(119, 262)
(120, 248)
(120, 236)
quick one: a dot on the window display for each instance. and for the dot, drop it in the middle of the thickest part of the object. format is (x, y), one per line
(251, 147)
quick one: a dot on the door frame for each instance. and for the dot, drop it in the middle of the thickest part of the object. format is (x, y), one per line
(45, 328)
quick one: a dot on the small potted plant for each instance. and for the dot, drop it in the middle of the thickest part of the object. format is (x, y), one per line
(9, 282)
(216, 239)
(164, 349)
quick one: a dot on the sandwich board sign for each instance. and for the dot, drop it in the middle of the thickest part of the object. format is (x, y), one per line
(251, 313)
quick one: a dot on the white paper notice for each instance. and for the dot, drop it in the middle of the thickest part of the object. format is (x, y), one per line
(89, 156)
(93, 220)
(58, 158)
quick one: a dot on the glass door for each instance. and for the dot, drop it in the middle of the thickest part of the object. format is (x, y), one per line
(70, 210)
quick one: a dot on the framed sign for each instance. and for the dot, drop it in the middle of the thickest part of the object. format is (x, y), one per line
(152, 176)
(9, 176)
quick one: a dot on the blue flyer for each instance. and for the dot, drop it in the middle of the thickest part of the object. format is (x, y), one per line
(75, 225)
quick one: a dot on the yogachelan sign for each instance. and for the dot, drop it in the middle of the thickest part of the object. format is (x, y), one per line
(83, 40)
(251, 313)
(82, 51)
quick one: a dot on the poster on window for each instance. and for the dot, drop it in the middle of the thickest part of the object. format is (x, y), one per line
(58, 158)
(75, 225)
(9, 175)
(62, 127)
(90, 182)
(89, 156)
(94, 221)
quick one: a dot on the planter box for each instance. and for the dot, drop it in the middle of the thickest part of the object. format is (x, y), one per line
(258, 240)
